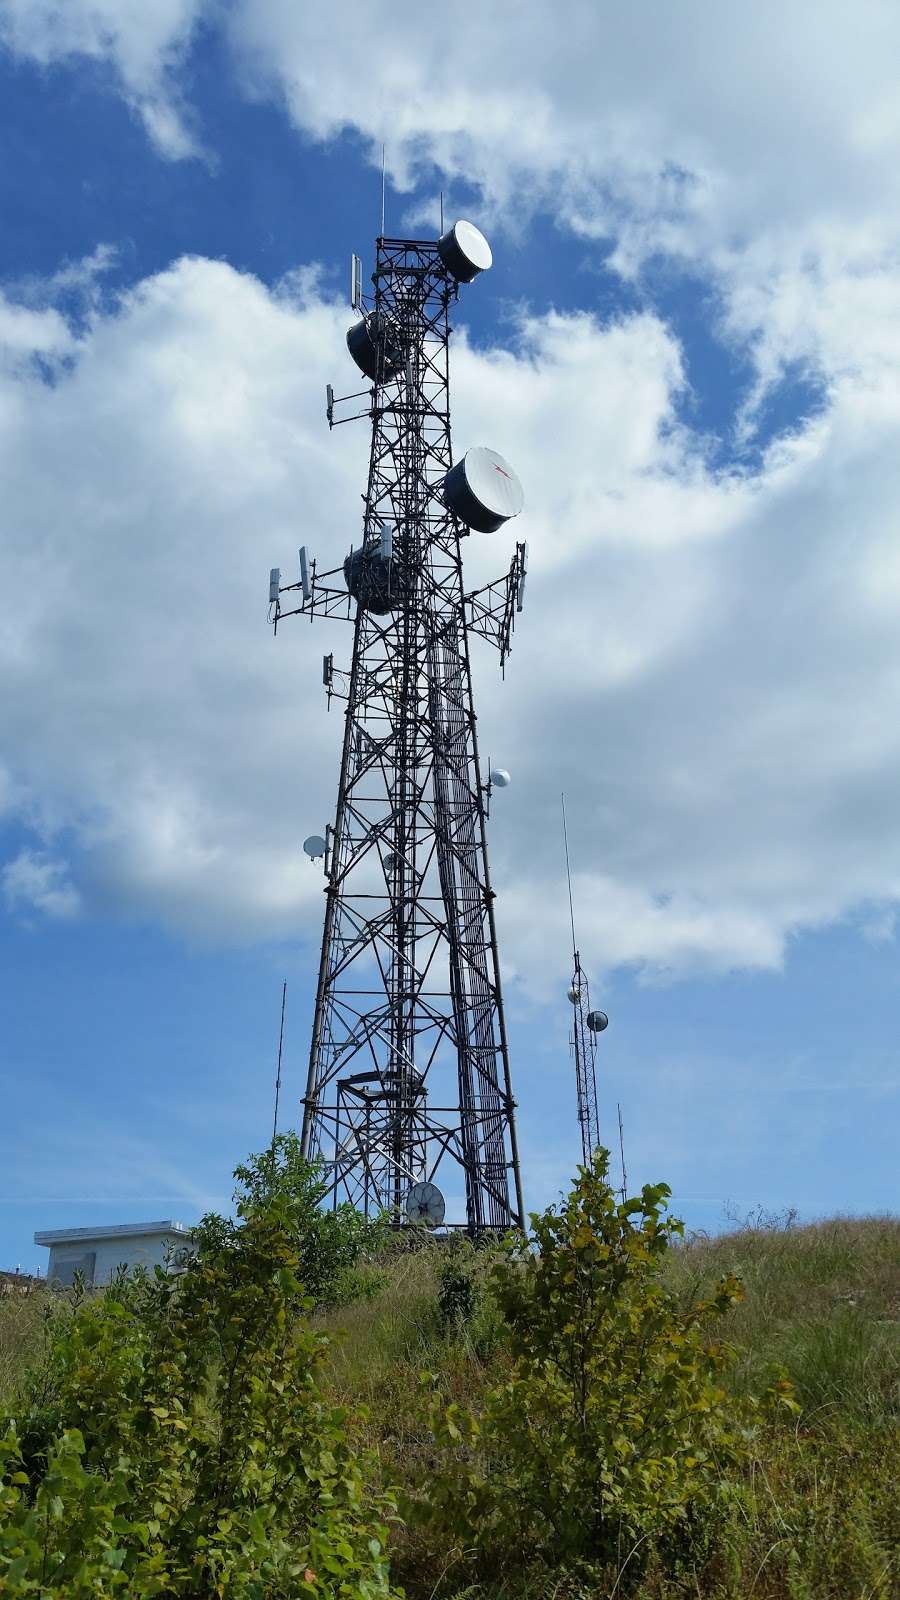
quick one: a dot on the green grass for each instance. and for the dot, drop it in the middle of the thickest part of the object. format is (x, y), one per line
(21, 1320)
(823, 1301)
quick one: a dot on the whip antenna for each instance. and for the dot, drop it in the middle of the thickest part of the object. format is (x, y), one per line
(278, 1073)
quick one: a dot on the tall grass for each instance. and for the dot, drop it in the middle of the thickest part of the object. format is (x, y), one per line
(823, 1301)
(21, 1321)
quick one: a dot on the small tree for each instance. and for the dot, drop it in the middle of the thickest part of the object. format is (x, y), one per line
(330, 1243)
(179, 1442)
(612, 1426)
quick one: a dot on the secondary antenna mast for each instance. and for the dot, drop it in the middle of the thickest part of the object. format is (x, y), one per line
(586, 1024)
(409, 1075)
(278, 1072)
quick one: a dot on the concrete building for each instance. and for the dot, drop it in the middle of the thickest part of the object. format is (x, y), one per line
(98, 1253)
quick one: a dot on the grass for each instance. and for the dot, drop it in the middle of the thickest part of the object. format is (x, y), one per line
(21, 1320)
(817, 1514)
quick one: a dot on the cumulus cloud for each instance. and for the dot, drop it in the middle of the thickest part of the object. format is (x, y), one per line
(144, 44)
(33, 881)
(706, 663)
(747, 145)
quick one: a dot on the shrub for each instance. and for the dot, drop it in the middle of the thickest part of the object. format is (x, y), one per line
(178, 1442)
(336, 1246)
(612, 1427)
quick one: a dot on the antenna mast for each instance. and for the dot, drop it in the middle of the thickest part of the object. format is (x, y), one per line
(278, 1073)
(586, 1024)
(409, 1075)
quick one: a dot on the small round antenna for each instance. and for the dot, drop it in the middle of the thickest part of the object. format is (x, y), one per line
(314, 846)
(597, 1021)
(425, 1204)
(500, 778)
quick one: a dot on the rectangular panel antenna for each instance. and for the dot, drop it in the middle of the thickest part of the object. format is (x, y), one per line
(327, 670)
(355, 283)
(274, 582)
(387, 541)
(304, 575)
(329, 403)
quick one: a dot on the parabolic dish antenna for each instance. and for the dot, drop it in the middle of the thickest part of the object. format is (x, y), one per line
(483, 490)
(375, 347)
(597, 1021)
(314, 846)
(425, 1203)
(500, 777)
(464, 251)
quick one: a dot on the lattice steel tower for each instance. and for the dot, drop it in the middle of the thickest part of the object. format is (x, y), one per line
(409, 1067)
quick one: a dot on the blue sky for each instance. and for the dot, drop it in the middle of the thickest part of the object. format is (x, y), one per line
(687, 346)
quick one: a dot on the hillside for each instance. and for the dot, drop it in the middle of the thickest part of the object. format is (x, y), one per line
(814, 1509)
(821, 1512)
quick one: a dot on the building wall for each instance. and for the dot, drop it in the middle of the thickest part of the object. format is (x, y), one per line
(144, 1250)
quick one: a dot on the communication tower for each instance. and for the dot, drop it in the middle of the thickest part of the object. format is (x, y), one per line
(586, 1025)
(409, 1073)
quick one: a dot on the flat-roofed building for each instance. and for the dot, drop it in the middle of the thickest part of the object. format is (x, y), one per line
(99, 1253)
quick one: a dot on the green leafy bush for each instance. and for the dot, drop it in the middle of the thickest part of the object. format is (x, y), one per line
(337, 1247)
(612, 1427)
(177, 1441)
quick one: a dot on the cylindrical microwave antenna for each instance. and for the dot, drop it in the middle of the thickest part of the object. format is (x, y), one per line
(483, 490)
(464, 251)
(375, 347)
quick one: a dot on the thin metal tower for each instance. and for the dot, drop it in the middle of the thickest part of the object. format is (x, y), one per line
(409, 1069)
(586, 1024)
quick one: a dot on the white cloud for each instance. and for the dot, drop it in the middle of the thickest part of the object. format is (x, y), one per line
(754, 147)
(707, 662)
(37, 882)
(144, 43)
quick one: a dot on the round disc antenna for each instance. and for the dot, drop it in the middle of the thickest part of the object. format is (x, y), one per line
(464, 251)
(314, 846)
(500, 778)
(483, 490)
(425, 1204)
(375, 346)
(597, 1021)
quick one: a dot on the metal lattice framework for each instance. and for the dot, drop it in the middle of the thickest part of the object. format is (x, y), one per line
(409, 1067)
(584, 1050)
(582, 1039)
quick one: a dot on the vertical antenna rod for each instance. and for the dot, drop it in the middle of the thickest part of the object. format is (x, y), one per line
(622, 1155)
(278, 1074)
(382, 191)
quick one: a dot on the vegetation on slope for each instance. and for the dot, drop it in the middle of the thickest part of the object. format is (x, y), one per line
(601, 1414)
